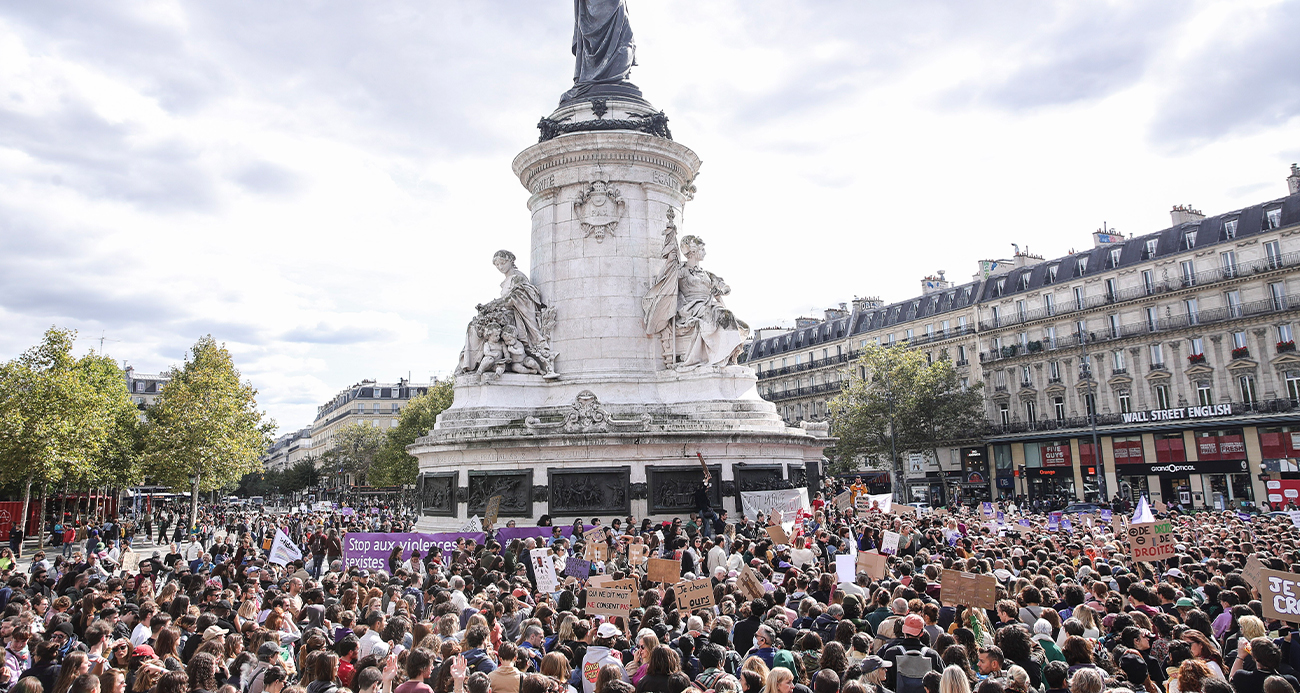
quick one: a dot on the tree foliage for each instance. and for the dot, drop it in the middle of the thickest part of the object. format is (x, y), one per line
(204, 431)
(925, 404)
(63, 418)
(393, 465)
(356, 446)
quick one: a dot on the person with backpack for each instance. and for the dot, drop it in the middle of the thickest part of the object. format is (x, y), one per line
(909, 660)
(476, 657)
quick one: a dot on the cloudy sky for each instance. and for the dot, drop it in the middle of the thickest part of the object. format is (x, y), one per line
(321, 184)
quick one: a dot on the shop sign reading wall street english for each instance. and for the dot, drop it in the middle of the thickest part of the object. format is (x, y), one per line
(1206, 411)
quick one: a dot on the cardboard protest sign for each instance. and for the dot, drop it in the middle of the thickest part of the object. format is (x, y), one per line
(862, 503)
(625, 584)
(844, 568)
(1252, 572)
(1280, 594)
(694, 595)
(599, 580)
(609, 601)
(665, 570)
(904, 509)
(873, 564)
(594, 534)
(493, 509)
(957, 588)
(844, 501)
(1295, 517)
(131, 561)
(889, 542)
(1151, 541)
(1160, 506)
(544, 570)
(576, 567)
(636, 554)
(749, 584)
(596, 551)
(778, 535)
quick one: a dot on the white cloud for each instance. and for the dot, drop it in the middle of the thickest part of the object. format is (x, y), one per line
(322, 186)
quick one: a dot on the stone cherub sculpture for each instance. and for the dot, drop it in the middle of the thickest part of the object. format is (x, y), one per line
(512, 332)
(684, 308)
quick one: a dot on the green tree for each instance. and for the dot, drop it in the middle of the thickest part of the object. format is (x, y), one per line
(204, 430)
(923, 405)
(394, 466)
(303, 474)
(59, 415)
(355, 448)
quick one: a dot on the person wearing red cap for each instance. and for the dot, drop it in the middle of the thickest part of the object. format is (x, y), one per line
(909, 651)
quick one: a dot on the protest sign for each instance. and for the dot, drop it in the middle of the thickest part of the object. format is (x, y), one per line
(889, 542)
(624, 584)
(844, 501)
(1295, 517)
(905, 509)
(986, 509)
(862, 503)
(596, 551)
(883, 502)
(957, 588)
(749, 584)
(1280, 594)
(778, 535)
(283, 550)
(493, 509)
(599, 580)
(544, 570)
(873, 564)
(786, 501)
(369, 550)
(1054, 521)
(594, 534)
(665, 570)
(1066, 524)
(577, 567)
(844, 568)
(1106, 516)
(1151, 541)
(473, 524)
(694, 595)
(1160, 507)
(609, 601)
(636, 554)
(1252, 572)
(131, 561)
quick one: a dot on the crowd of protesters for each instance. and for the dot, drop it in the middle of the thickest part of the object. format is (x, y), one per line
(1073, 613)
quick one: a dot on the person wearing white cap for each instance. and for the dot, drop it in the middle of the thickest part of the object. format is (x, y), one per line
(598, 655)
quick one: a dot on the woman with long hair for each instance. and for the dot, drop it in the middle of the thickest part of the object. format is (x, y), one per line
(954, 679)
(167, 648)
(1206, 651)
(202, 672)
(1191, 677)
(955, 657)
(74, 664)
(556, 667)
(779, 680)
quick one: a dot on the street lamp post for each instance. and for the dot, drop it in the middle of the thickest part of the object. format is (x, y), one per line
(1090, 406)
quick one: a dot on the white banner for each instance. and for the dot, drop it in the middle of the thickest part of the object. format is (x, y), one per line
(544, 570)
(884, 502)
(788, 501)
(283, 550)
(473, 524)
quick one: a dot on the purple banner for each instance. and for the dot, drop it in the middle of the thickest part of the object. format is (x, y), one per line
(369, 550)
(505, 535)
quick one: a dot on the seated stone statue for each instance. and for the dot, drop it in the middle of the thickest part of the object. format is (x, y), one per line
(511, 332)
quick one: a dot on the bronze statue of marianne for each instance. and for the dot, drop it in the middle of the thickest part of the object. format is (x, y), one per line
(603, 49)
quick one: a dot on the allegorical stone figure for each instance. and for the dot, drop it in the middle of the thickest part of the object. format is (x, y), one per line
(685, 310)
(511, 333)
(602, 45)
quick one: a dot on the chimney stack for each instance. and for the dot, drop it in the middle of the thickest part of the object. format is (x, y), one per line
(1183, 214)
(1293, 180)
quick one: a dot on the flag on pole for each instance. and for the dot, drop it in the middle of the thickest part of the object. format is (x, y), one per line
(1143, 513)
(283, 550)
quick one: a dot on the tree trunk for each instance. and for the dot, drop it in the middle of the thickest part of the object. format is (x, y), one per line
(27, 501)
(194, 500)
(63, 505)
(40, 526)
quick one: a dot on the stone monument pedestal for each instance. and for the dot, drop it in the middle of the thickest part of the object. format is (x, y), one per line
(616, 428)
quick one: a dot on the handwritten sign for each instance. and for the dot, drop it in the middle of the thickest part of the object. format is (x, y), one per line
(1280, 595)
(576, 567)
(599, 580)
(493, 509)
(636, 554)
(749, 583)
(889, 542)
(694, 595)
(624, 584)
(594, 534)
(844, 501)
(957, 588)
(596, 551)
(665, 570)
(544, 570)
(1151, 541)
(609, 601)
(873, 564)
(1252, 574)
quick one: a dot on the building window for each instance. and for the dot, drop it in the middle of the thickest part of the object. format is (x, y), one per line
(1000, 286)
(1238, 340)
(1247, 385)
(1004, 413)
(1031, 411)
(1121, 364)
(1113, 321)
(1149, 281)
(1293, 385)
(961, 322)
(1051, 272)
(1193, 309)
(1162, 396)
(1274, 253)
(997, 315)
(1198, 345)
(1058, 404)
(1112, 293)
(1233, 299)
(1273, 219)
(1078, 298)
(961, 353)
(1049, 304)
(1189, 272)
(1124, 406)
(1114, 256)
(1151, 248)
(1090, 403)
(1203, 394)
(1153, 319)
(1020, 310)
(1079, 328)
(1023, 338)
(1284, 332)
(1228, 261)
(996, 344)
(1189, 240)
(1277, 292)
(1229, 229)
(1024, 280)
(1157, 355)
(1049, 335)
(1025, 378)
(1082, 267)
(1054, 369)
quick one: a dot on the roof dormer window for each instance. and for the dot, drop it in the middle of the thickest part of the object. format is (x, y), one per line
(1152, 244)
(1273, 219)
(1114, 256)
(1189, 240)
(1229, 230)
